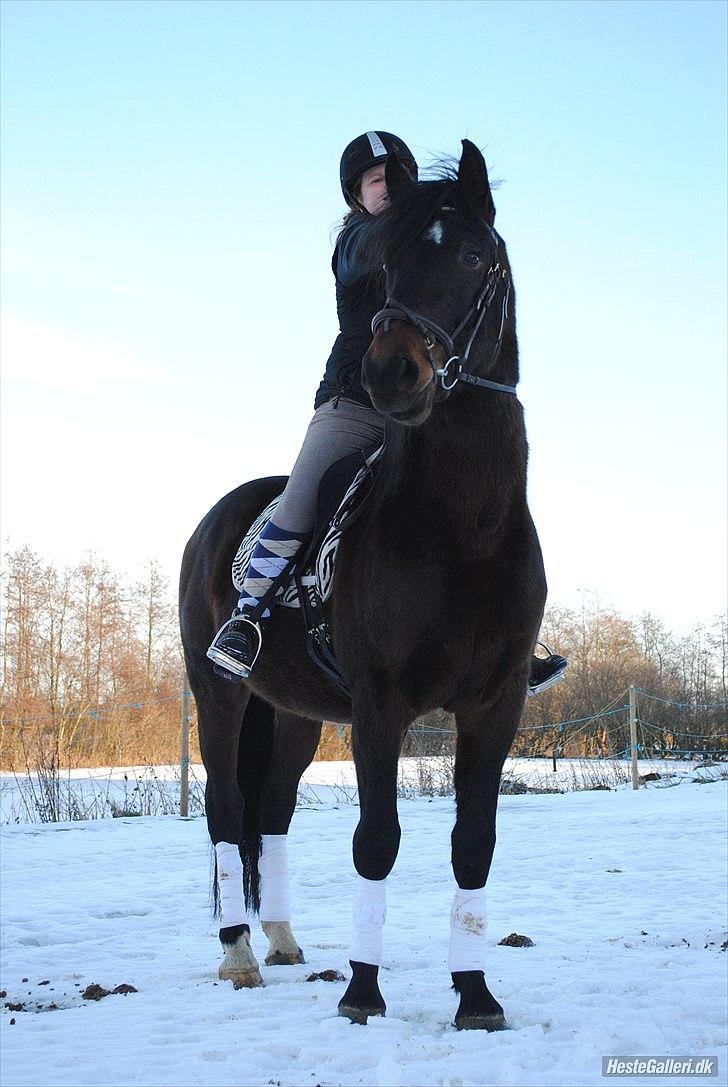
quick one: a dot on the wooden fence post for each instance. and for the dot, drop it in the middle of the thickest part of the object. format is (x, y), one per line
(633, 735)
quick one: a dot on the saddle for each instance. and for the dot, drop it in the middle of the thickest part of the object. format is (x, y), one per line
(342, 494)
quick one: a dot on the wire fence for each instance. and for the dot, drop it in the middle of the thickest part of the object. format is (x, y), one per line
(566, 729)
(633, 743)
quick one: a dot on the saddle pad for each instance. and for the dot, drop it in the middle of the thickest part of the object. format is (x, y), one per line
(318, 576)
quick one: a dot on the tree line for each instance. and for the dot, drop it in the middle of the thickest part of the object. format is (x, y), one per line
(91, 664)
(91, 675)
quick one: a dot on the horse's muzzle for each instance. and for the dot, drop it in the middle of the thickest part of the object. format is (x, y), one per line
(399, 387)
(397, 373)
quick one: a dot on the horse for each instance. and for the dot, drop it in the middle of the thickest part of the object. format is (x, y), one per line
(438, 595)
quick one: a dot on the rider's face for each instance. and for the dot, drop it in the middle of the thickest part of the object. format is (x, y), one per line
(373, 190)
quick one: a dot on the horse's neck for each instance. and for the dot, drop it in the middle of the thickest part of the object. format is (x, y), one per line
(463, 472)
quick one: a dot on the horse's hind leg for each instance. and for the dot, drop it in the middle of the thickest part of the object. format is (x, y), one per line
(294, 747)
(226, 713)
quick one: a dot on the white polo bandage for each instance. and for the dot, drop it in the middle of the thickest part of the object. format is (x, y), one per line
(467, 931)
(275, 903)
(230, 885)
(370, 911)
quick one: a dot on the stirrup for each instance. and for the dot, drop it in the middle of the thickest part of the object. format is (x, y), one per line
(226, 661)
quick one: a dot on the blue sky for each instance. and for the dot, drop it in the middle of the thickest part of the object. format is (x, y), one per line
(169, 196)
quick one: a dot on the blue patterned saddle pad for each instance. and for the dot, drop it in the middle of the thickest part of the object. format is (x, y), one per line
(318, 577)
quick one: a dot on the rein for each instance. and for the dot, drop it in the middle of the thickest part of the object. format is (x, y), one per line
(454, 369)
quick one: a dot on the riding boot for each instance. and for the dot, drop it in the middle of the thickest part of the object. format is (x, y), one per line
(545, 671)
(235, 648)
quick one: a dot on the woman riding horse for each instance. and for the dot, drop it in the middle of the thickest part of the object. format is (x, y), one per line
(344, 419)
(439, 587)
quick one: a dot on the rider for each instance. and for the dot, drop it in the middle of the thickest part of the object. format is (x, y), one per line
(344, 419)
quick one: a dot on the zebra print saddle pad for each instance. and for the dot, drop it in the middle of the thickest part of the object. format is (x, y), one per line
(318, 575)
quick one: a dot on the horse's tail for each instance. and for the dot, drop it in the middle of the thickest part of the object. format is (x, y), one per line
(255, 747)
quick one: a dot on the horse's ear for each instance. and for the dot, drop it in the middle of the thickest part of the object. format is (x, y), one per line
(399, 181)
(473, 177)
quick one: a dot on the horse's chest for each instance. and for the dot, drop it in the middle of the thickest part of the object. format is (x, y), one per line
(413, 610)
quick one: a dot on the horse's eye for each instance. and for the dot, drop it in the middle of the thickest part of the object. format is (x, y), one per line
(429, 342)
(472, 259)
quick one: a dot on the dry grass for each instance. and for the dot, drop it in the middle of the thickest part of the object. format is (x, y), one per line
(146, 736)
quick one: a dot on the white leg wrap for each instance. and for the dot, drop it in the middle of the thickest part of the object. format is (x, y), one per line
(467, 931)
(230, 885)
(275, 903)
(370, 910)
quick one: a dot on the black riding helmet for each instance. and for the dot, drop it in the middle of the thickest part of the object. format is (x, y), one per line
(366, 151)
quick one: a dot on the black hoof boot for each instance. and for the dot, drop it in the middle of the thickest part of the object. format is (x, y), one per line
(479, 1010)
(362, 998)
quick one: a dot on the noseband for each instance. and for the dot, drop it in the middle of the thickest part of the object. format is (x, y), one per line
(454, 369)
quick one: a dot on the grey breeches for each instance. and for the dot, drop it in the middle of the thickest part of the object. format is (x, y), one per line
(332, 433)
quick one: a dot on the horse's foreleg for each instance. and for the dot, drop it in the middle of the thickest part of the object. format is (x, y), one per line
(294, 748)
(483, 740)
(376, 740)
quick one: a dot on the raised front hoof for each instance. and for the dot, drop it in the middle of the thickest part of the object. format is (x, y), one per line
(241, 979)
(278, 958)
(481, 1022)
(362, 997)
(479, 1009)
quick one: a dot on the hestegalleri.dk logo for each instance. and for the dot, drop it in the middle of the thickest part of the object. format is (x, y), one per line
(659, 1066)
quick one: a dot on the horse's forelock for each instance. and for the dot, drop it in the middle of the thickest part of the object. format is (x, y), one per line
(402, 224)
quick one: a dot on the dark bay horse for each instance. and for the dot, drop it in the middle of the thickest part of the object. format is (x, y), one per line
(438, 596)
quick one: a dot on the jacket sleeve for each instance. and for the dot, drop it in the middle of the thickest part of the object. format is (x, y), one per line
(354, 257)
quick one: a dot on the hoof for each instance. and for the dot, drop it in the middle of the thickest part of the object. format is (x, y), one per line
(283, 949)
(240, 964)
(279, 958)
(241, 979)
(359, 1015)
(481, 1022)
(362, 997)
(479, 1009)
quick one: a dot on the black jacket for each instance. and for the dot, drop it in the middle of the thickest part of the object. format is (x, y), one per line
(359, 295)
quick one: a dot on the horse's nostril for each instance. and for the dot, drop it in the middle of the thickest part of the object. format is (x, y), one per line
(407, 372)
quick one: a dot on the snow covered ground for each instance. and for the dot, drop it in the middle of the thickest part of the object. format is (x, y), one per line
(622, 893)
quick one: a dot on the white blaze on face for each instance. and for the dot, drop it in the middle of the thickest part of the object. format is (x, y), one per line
(434, 234)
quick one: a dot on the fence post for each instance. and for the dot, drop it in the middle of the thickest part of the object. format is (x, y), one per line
(633, 735)
(184, 750)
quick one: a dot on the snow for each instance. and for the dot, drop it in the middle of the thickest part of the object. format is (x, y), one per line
(622, 893)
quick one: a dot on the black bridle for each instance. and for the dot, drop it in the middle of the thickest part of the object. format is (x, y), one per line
(454, 369)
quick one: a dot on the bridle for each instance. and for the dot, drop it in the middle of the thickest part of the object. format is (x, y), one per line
(454, 369)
